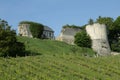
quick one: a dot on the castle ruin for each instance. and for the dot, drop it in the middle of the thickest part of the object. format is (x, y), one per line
(67, 35)
(98, 34)
(24, 30)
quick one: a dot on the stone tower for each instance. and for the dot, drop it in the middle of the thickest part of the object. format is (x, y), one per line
(98, 34)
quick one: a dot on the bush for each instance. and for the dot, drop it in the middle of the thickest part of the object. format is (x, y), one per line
(8, 43)
(71, 26)
(82, 39)
(115, 46)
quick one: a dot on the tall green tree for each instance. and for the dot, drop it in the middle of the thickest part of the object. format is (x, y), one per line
(108, 21)
(91, 21)
(9, 46)
(3, 24)
(116, 26)
(115, 35)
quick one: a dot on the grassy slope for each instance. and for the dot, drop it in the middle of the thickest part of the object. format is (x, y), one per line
(54, 66)
(52, 47)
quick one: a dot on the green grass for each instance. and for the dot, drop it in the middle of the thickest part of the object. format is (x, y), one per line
(53, 47)
(58, 62)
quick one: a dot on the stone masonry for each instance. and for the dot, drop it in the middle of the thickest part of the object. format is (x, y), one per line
(67, 35)
(98, 34)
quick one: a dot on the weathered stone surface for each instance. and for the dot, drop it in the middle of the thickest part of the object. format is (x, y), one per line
(98, 34)
(24, 30)
(67, 35)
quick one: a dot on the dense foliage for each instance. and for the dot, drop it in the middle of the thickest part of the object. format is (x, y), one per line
(116, 28)
(90, 21)
(71, 26)
(35, 28)
(82, 39)
(108, 21)
(115, 46)
(115, 35)
(9, 46)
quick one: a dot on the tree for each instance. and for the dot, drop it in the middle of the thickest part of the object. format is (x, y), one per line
(82, 39)
(115, 46)
(3, 24)
(90, 22)
(116, 26)
(115, 35)
(9, 46)
(108, 21)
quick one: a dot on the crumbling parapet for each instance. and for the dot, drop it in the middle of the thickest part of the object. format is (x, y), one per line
(67, 35)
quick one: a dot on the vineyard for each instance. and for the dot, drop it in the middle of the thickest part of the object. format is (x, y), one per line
(62, 67)
(62, 63)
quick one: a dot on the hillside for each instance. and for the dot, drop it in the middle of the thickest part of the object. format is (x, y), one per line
(62, 63)
(62, 67)
(52, 47)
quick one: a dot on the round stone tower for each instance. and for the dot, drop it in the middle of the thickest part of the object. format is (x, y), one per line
(98, 34)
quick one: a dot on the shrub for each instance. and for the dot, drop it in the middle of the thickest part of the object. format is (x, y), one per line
(82, 39)
(71, 26)
(115, 46)
(9, 46)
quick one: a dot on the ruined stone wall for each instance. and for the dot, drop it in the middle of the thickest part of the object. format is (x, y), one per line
(98, 34)
(67, 35)
(23, 30)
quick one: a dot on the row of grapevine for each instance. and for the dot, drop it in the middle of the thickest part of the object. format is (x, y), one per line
(60, 67)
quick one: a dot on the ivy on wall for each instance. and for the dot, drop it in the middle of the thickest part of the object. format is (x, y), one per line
(35, 28)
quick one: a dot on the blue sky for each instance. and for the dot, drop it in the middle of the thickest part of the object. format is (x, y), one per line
(56, 13)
